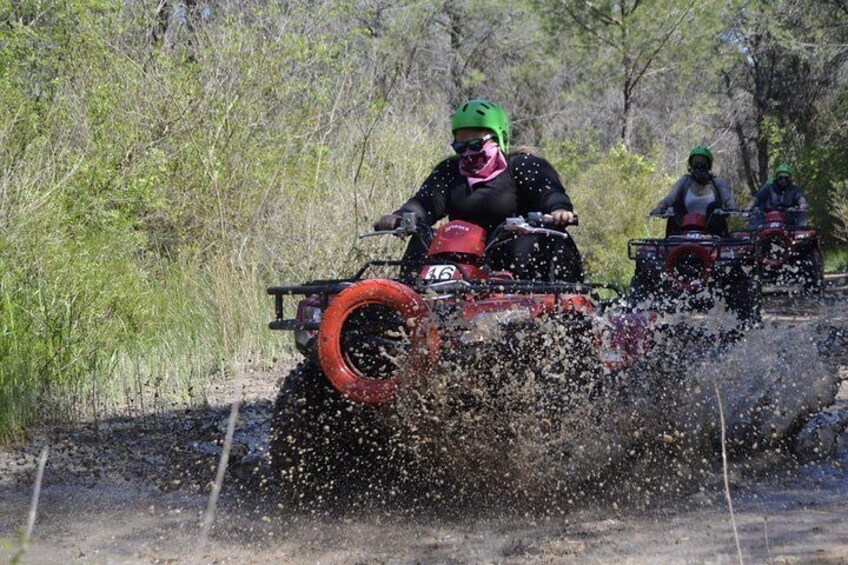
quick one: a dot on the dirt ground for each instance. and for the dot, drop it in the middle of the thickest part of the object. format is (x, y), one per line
(134, 490)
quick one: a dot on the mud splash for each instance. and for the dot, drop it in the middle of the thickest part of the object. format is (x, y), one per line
(548, 432)
(143, 484)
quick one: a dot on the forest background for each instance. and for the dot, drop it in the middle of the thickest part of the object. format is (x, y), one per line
(163, 161)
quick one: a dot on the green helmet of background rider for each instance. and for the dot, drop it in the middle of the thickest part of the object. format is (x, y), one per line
(701, 151)
(481, 113)
(785, 168)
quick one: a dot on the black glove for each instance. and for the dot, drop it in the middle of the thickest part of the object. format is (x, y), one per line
(387, 222)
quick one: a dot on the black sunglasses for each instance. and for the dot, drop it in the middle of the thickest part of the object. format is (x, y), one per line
(472, 144)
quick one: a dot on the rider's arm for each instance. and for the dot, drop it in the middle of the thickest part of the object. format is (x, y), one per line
(759, 197)
(802, 201)
(539, 184)
(540, 188)
(728, 201)
(431, 201)
(672, 195)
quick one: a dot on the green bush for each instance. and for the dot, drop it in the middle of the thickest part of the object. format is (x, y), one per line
(150, 193)
(613, 197)
(836, 260)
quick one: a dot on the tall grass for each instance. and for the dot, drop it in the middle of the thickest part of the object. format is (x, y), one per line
(149, 194)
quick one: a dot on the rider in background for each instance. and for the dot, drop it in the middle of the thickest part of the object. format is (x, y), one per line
(698, 192)
(780, 193)
(484, 184)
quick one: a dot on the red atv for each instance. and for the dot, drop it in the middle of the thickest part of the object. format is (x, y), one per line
(362, 336)
(788, 255)
(695, 267)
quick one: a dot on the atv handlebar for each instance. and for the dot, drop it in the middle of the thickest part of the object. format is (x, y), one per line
(533, 225)
(791, 209)
(732, 212)
(669, 213)
(541, 219)
(408, 226)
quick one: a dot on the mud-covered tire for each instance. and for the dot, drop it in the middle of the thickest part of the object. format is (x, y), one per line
(812, 271)
(298, 447)
(743, 296)
(642, 290)
(321, 444)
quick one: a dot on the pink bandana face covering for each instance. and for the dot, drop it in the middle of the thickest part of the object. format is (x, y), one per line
(482, 166)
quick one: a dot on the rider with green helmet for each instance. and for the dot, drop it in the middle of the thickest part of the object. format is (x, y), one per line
(698, 192)
(778, 193)
(477, 114)
(484, 184)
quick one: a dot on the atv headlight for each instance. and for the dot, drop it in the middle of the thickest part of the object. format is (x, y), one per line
(307, 313)
(646, 253)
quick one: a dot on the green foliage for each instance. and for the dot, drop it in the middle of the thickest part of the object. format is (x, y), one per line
(154, 181)
(52, 334)
(839, 208)
(836, 260)
(628, 39)
(152, 196)
(570, 158)
(613, 197)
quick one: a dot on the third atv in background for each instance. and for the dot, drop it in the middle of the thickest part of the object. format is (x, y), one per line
(694, 268)
(789, 255)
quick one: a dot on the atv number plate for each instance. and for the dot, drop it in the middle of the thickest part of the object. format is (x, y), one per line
(439, 272)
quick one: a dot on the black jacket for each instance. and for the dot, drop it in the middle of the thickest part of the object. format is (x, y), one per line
(530, 184)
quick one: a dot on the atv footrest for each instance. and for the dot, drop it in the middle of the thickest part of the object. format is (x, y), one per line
(293, 325)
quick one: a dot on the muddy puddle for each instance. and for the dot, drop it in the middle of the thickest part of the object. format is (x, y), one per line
(627, 473)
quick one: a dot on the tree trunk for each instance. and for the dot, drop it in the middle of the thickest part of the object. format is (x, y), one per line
(744, 150)
(761, 104)
(627, 65)
(455, 31)
(627, 125)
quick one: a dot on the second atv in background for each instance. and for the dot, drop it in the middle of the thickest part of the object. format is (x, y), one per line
(694, 268)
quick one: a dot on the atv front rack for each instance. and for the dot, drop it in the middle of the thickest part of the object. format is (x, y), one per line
(726, 248)
(324, 289)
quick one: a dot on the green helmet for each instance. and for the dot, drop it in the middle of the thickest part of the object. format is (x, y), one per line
(483, 114)
(785, 168)
(702, 151)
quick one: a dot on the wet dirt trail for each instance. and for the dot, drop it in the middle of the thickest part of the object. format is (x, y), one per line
(134, 490)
